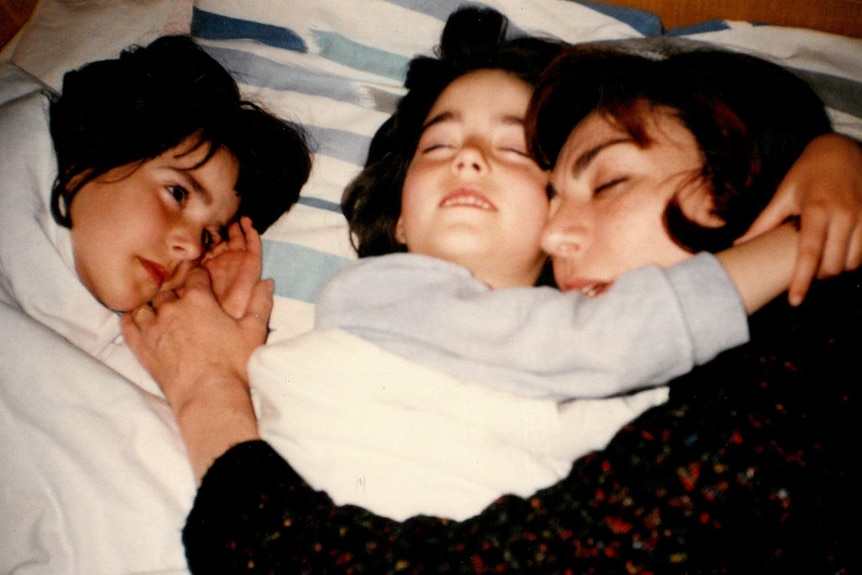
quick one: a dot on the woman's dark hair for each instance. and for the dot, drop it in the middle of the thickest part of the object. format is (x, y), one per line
(750, 118)
(473, 39)
(131, 109)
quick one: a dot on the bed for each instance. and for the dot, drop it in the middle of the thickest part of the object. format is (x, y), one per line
(94, 476)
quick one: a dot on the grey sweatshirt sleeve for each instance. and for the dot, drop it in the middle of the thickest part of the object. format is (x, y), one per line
(650, 326)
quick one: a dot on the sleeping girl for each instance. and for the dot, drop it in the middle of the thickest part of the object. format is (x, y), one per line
(461, 128)
(156, 155)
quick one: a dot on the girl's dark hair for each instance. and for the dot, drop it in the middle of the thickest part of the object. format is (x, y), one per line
(750, 118)
(131, 109)
(473, 39)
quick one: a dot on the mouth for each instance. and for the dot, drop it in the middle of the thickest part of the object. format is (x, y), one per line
(157, 272)
(467, 198)
(590, 288)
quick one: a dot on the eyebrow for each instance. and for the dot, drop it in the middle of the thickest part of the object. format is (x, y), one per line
(583, 161)
(448, 116)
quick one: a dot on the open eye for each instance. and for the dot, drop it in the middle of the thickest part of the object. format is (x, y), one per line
(179, 193)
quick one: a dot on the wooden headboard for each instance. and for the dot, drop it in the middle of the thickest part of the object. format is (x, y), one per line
(836, 16)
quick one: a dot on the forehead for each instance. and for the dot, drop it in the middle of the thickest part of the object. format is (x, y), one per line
(484, 89)
(659, 126)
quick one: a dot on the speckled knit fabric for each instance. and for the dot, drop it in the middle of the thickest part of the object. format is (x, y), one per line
(749, 468)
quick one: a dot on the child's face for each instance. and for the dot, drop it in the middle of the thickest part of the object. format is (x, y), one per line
(473, 195)
(610, 196)
(138, 230)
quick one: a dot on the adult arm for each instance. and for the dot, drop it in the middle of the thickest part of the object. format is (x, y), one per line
(198, 354)
(823, 188)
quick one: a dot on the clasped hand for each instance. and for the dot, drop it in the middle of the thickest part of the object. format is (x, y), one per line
(204, 333)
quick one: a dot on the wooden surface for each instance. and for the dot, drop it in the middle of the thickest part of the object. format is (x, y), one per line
(836, 16)
(13, 15)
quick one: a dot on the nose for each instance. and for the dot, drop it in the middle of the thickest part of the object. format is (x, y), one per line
(567, 231)
(185, 241)
(470, 159)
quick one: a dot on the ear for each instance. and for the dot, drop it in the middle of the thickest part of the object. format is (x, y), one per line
(697, 204)
(400, 235)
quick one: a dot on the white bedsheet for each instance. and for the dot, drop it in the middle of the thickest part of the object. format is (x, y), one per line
(376, 430)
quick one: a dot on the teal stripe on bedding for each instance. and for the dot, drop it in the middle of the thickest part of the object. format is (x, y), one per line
(345, 51)
(253, 70)
(320, 204)
(299, 272)
(339, 144)
(702, 28)
(217, 27)
(646, 23)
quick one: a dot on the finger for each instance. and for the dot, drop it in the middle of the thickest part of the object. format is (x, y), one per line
(812, 238)
(236, 236)
(144, 315)
(129, 328)
(261, 302)
(854, 252)
(215, 251)
(770, 218)
(197, 279)
(163, 297)
(131, 332)
(252, 238)
(803, 275)
(837, 246)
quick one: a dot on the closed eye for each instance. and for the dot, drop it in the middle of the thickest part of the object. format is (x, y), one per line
(520, 151)
(434, 147)
(608, 185)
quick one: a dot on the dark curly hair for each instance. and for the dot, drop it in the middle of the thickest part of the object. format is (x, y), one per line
(751, 120)
(473, 39)
(133, 108)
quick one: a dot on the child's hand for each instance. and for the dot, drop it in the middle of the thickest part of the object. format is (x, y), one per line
(823, 188)
(234, 267)
(185, 339)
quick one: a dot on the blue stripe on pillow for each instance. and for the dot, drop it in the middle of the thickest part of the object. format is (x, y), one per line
(299, 272)
(217, 27)
(703, 27)
(261, 72)
(320, 204)
(646, 23)
(345, 51)
(346, 146)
